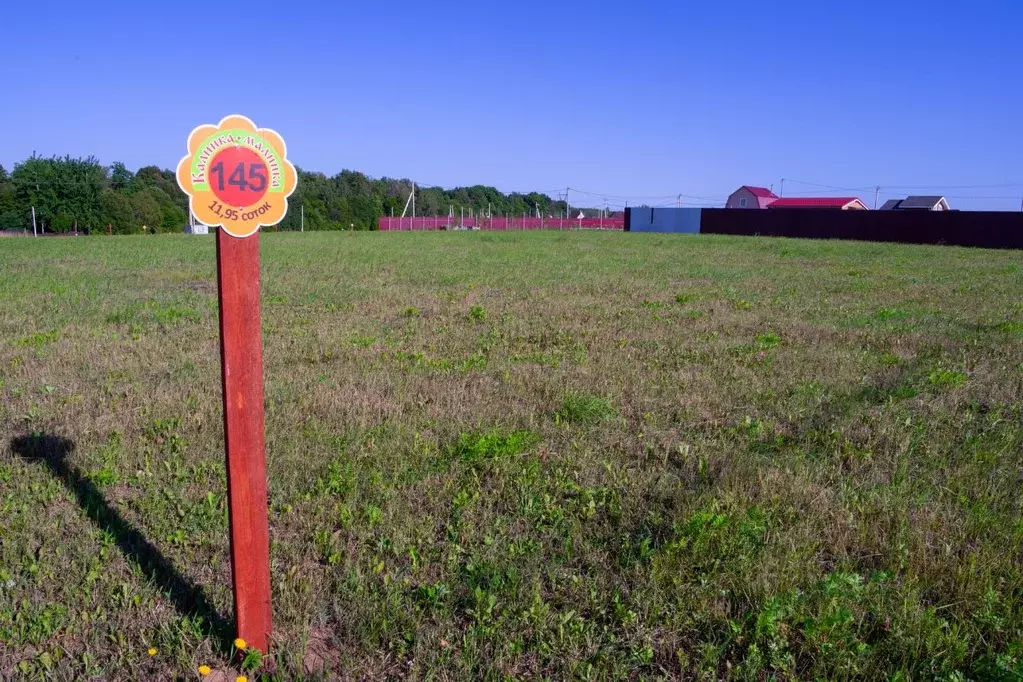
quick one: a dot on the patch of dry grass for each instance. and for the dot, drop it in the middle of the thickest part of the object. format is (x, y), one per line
(504, 456)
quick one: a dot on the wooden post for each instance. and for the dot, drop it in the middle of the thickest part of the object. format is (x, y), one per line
(242, 376)
(259, 180)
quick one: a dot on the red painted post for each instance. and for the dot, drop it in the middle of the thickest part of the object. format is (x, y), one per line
(246, 202)
(241, 352)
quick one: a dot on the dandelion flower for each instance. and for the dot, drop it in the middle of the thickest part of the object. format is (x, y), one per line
(240, 644)
(152, 651)
(204, 670)
(241, 678)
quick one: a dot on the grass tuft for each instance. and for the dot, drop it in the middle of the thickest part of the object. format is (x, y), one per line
(477, 446)
(768, 340)
(477, 314)
(39, 339)
(583, 408)
(946, 378)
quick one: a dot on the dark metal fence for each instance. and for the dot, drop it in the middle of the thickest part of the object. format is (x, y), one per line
(989, 229)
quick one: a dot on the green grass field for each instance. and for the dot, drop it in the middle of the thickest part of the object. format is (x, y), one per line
(521, 456)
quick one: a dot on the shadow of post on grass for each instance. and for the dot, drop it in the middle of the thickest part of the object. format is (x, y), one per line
(188, 598)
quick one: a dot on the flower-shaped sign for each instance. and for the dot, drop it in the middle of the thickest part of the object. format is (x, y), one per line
(237, 176)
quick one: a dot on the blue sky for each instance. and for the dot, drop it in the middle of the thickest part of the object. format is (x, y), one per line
(637, 101)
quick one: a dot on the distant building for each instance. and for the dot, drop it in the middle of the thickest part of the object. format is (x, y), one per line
(839, 203)
(749, 196)
(917, 203)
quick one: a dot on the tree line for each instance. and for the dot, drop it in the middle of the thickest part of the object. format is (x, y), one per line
(82, 195)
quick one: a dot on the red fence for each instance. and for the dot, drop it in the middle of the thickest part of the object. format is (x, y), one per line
(426, 223)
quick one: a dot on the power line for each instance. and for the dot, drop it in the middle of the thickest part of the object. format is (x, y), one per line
(647, 197)
(621, 196)
(886, 192)
(1017, 184)
(897, 188)
(974, 196)
(831, 187)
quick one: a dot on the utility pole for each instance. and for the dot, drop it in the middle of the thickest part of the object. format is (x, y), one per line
(301, 212)
(567, 208)
(781, 191)
(34, 233)
(877, 191)
(411, 200)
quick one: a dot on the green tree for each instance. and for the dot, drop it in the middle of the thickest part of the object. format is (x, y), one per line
(10, 217)
(35, 187)
(162, 179)
(118, 212)
(120, 177)
(146, 211)
(65, 192)
(78, 193)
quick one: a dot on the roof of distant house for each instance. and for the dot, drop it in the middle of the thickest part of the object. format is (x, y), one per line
(761, 192)
(813, 202)
(917, 201)
(920, 202)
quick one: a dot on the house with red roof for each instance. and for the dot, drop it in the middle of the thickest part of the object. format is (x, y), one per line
(749, 196)
(839, 203)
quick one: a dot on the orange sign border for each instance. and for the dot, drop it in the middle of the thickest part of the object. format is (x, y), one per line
(272, 206)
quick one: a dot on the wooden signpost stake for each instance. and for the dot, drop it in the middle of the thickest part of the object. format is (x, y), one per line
(237, 177)
(241, 353)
